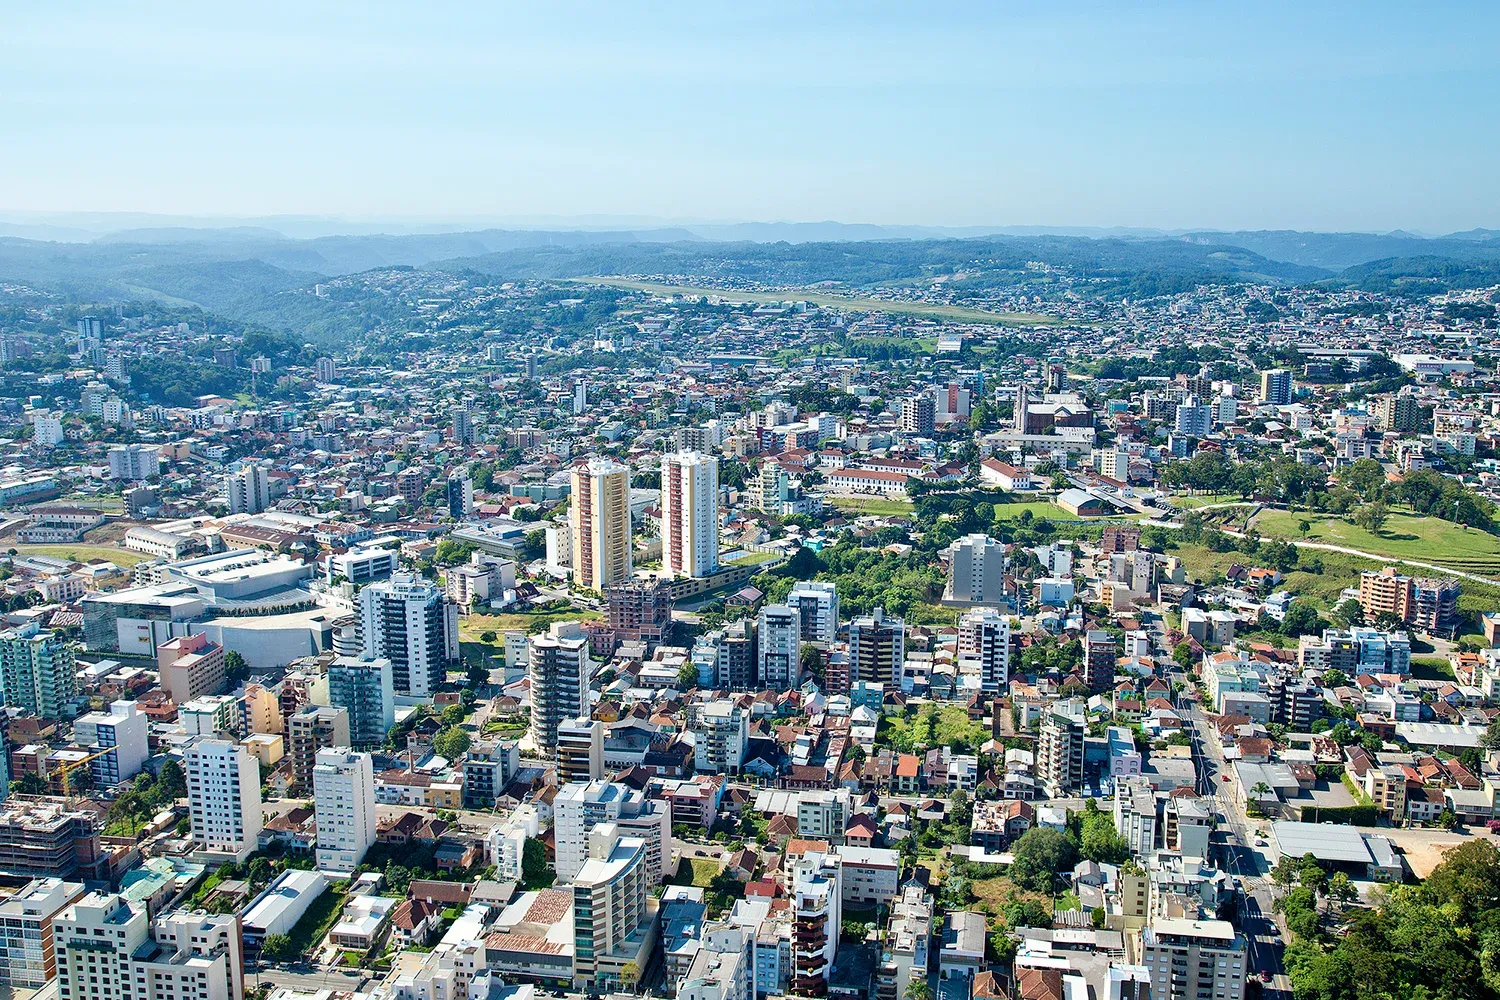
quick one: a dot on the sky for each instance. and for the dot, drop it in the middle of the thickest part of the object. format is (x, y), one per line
(1363, 116)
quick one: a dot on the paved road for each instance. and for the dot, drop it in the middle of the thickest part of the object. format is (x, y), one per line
(1242, 859)
(307, 978)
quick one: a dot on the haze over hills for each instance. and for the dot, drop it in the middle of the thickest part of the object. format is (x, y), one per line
(256, 269)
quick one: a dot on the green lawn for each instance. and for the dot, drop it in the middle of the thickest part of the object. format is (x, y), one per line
(754, 558)
(1205, 499)
(696, 871)
(471, 627)
(875, 506)
(83, 553)
(1403, 536)
(1038, 508)
(932, 310)
(1432, 668)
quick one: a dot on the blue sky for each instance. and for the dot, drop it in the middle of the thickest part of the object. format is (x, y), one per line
(1367, 116)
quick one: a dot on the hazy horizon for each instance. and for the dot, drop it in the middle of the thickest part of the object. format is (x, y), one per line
(1345, 118)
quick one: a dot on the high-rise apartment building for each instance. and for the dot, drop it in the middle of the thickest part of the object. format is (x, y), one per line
(817, 604)
(463, 426)
(28, 958)
(413, 624)
(984, 645)
(918, 415)
(580, 806)
(134, 462)
(190, 666)
(721, 735)
(344, 803)
(816, 905)
(689, 514)
(559, 671)
(1099, 655)
(1060, 745)
(108, 949)
(117, 741)
(976, 571)
(248, 491)
(38, 671)
(314, 728)
(640, 610)
(223, 783)
(327, 370)
(600, 516)
(877, 649)
(614, 914)
(40, 838)
(779, 633)
(1192, 959)
(460, 496)
(580, 750)
(1276, 387)
(365, 688)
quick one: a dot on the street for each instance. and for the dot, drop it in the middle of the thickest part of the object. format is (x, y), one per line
(1242, 859)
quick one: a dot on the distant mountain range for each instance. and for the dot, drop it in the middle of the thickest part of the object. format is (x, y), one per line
(244, 268)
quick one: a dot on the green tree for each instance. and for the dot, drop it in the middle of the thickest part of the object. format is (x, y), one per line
(1040, 856)
(235, 667)
(452, 742)
(452, 715)
(276, 948)
(917, 989)
(535, 873)
(1372, 517)
(687, 675)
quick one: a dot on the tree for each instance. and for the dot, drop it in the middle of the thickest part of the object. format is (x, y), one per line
(1491, 738)
(1301, 619)
(1096, 917)
(453, 715)
(535, 874)
(1182, 655)
(397, 877)
(917, 989)
(31, 784)
(687, 675)
(1025, 912)
(1039, 856)
(451, 742)
(276, 948)
(1348, 612)
(959, 809)
(171, 783)
(1371, 517)
(488, 636)
(235, 667)
(1341, 890)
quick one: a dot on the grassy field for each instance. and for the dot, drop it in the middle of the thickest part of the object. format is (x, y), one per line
(471, 627)
(993, 893)
(83, 553)
(930, 310)
(1204, 499)
(696, 871)
(1403, 536)
(873, 506)
(753, 558)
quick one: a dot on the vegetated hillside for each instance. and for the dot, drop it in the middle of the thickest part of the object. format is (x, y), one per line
(1337, 251)
(1131, 267)
(1416, 277)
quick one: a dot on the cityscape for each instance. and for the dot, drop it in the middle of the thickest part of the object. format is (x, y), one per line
(554, 599)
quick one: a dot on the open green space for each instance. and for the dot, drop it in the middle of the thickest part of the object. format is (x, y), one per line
(471, 627)
(1403, 536)
(872, 506)
(123, 558)
(1205, 500)
(1432, 668)
(754, 558)
(931, 310)
(319, 919)
(698, 872)
(933, 725)
(1338, 570)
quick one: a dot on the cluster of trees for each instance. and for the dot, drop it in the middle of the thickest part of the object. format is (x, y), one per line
(1280, 478)
(1440, 939)
(866, 578)
(146, 797)
(1044, 858)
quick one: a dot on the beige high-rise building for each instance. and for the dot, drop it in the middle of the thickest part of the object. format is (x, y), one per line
(689, 514)
(600, 517)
